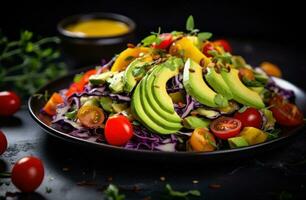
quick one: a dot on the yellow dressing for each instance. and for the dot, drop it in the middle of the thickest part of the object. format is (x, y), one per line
(97, 28)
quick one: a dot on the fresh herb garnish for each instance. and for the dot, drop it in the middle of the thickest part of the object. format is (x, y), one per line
(152, 39)
(190, 23)
(28, 64)
(112, 193)
(204, 36)
(178, 194)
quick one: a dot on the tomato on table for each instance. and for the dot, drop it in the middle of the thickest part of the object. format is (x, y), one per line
(118, 130)
(3, 143)
(250, 117)
(225, 44)
(285, 113)
(202, 140)
(225, 127)
(50, 107)
(9, 103)
(91, 116)
(166, 40)
(28, 174)
(208, 47)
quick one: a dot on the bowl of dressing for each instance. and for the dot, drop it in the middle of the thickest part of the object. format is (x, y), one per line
(89, 38)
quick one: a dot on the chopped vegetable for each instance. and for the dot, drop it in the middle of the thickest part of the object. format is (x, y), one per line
(50, 107)
(237, 142)
(253, 135)
(202, 140)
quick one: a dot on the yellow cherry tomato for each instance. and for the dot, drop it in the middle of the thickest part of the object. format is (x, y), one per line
(202, 140)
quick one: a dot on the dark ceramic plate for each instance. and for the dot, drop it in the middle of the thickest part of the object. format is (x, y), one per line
(35, 104)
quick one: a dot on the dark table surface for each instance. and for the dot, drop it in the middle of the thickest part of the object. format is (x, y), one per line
(75, 172)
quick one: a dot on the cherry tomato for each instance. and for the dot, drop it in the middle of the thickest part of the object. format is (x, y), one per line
(50, 107)
(249, 117)
(91, 116)
(225, 44)
(225, 127)
(28, 173)
(3, 143)
(271, 69)
(166, 40)
(9, 103)
(202, 140)
(285, 113)
(206, 48)
(118, 130)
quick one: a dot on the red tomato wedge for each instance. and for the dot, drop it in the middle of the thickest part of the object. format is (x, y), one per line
(225, 127)
(166, 40)
(285, 113)
(225, 44)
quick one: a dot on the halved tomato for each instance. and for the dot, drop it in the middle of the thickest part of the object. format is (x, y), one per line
(91, 116)
(225, 127)
(202, 140)
(285, 113)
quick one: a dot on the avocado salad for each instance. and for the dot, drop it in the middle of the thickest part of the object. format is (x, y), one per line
(177, 91)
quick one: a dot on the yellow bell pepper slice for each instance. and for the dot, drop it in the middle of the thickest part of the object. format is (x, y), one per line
(191, 51)
(127, 56)
(253, 135)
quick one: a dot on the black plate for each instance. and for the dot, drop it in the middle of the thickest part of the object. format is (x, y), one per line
(35, 105)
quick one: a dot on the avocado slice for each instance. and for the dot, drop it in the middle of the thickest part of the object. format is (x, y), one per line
(173, 117)
(139, 113)
(216, 81)
(154, 116)
(129, 74)
(168, 69)
(98, 79)
(241, 93)
(192, 122)
(198, 89)
(116, 83)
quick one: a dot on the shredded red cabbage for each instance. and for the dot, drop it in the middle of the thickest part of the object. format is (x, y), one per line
(285, 93)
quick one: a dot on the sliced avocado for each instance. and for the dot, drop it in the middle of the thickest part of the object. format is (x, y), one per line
(198, 89)
(237, 142)
(119, 107)
(116, 83)
(130, 77)
(192, 122)
(210, 114)
(106, 103)
(216, 81)
(259, 90)
(138, 112)
(168, 69)
(173, 117)
(154, 116)
(98, 79)
(241, 93)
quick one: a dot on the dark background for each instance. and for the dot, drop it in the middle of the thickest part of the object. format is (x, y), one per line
(280, 22)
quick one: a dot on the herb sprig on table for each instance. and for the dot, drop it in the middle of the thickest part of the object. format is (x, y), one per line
(29, 63)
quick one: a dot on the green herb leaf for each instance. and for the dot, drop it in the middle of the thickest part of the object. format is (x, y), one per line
(175, 194)
(112, 193)
(147, 41)
(204, 36)
(190, 23)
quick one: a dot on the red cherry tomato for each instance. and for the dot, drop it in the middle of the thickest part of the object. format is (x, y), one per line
(285, 113)
(166, 40)
(28, 173)
(249, 117)
(225, 44)
(206, 48)
(225, 127)
(3, 143)
(9, 103)
(118, 130)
